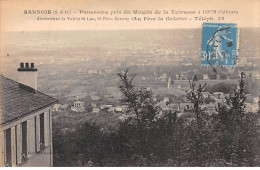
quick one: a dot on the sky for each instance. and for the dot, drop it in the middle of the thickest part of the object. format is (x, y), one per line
(12, 17)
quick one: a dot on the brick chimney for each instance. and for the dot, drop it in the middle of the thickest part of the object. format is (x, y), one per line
(27, 75)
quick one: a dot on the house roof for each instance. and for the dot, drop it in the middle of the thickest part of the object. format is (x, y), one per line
(17, 100)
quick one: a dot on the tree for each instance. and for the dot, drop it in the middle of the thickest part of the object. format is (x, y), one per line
(199, 144)
(139, 99)
(149, 140)
(196, 97)
(237, 131)
(234, 111)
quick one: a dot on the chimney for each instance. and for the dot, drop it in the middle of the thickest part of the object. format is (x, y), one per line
(28, 76)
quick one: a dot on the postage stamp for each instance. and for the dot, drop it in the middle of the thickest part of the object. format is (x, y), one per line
(219, 44)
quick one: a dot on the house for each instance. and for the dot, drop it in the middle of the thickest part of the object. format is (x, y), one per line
(166, 99)
(26, 121)
(119, 109)
(95, 110)
(163, 106)
(111, 109)
(205, 77)
(105, 106)
(203, 106)
(163, 77)
(179, 86)
(124, 107)
(174, 107)
(251, 107)
(219, 95)
(64, 106)
(187, 64)
(184, 75)
(251, 103)
(211, 106)
(123, 117)
(185, 106)
(92, 71)
(78, 106)
(228, 77)
(56, 107)
(205, 95)
(93, 104)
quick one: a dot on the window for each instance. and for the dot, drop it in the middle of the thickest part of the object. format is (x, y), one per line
(24, 140)
(8, 150)
(37, 134)
(49, 124)
(42, 130)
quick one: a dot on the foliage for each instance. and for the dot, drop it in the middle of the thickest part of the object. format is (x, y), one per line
(229, 138)
(220, 87)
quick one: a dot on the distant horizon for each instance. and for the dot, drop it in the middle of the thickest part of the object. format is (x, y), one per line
(147, 29)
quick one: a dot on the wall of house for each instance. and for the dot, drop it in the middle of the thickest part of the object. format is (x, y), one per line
(39, 148)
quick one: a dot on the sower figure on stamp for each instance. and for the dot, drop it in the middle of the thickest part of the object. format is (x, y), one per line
(217, 42)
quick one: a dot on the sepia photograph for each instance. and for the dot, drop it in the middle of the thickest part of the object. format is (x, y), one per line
(137, 83)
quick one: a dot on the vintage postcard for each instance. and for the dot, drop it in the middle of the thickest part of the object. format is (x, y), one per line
(141, 83)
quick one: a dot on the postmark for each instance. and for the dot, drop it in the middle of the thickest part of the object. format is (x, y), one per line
(219, 44)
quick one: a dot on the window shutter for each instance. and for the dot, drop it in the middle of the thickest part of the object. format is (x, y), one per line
(32, 136)
(50, 127)
(46, 129)
(19, 143)
(2, 149)
(29, 151)
(13, 146)
(38, 137)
